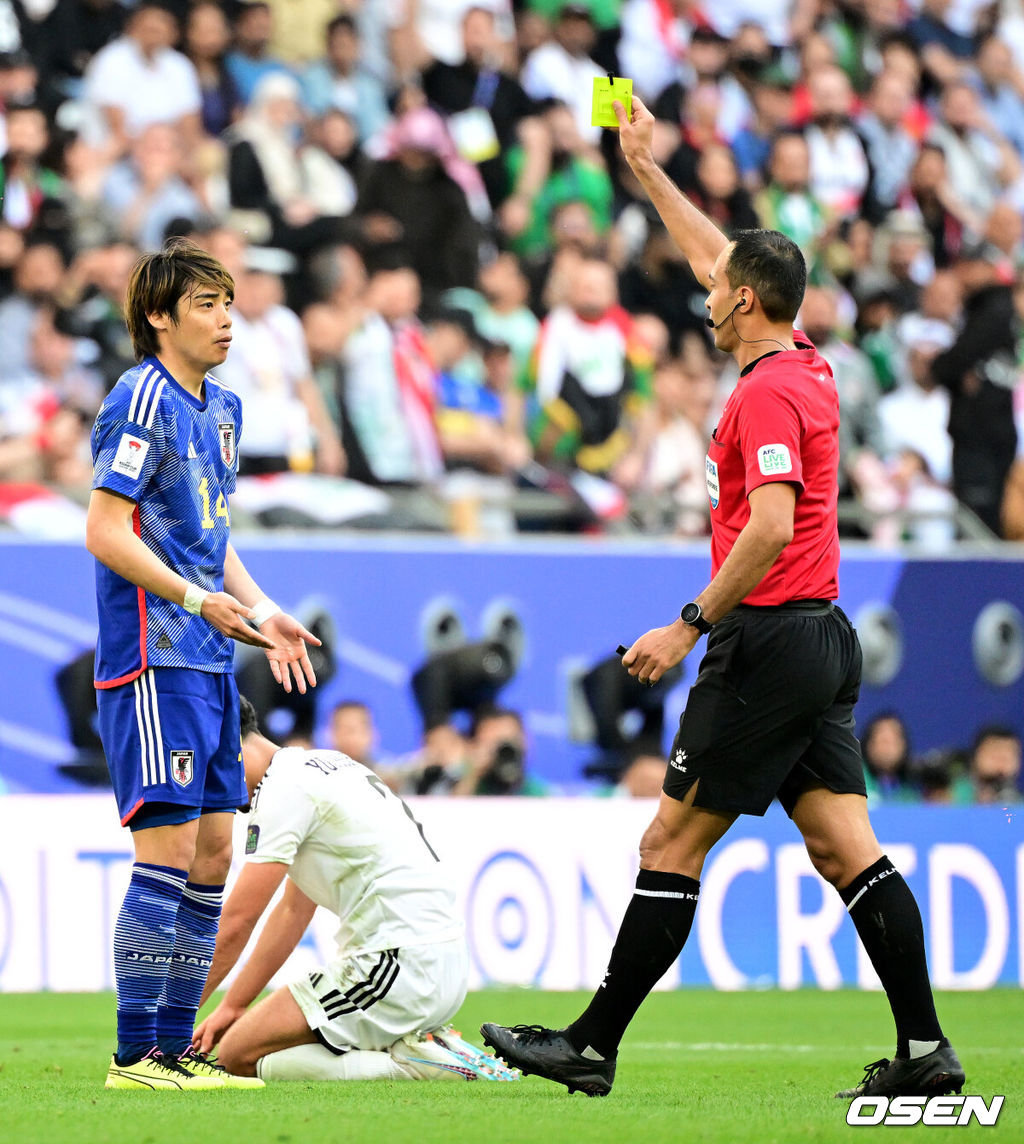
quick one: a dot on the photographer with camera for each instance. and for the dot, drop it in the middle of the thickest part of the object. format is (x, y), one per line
(467, 678)
(995, 765)
(496, 758)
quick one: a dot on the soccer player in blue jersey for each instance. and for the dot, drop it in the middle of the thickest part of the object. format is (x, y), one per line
(172, 596)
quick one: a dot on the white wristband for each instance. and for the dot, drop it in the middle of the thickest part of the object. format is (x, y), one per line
(194, 598)
(262, 610)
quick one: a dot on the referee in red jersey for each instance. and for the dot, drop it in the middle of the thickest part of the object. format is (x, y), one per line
(770, 714)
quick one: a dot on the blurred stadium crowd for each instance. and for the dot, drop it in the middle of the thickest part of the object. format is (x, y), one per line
(455, 308)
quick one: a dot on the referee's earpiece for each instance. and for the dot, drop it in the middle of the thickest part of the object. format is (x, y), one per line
(741, 307)
(713, 325)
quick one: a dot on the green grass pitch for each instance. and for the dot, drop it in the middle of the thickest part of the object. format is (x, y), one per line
(696, 1066)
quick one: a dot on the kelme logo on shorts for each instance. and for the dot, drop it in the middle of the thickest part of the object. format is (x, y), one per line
(772, 459)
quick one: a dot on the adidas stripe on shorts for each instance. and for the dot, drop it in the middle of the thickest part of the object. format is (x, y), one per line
(371, 1000)
(171, 736)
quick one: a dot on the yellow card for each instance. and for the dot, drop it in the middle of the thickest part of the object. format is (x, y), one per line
(607, 89)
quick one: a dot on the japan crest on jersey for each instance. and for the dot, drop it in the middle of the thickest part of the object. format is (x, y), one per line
(226, 433)
(181, 766)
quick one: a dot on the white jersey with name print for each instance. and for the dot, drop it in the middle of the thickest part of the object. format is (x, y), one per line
(353, 848)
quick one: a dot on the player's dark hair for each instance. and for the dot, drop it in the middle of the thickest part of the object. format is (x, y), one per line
(248, 719)
(160, 280)
(773, 266)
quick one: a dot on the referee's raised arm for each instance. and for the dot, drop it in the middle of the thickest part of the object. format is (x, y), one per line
(694, 233)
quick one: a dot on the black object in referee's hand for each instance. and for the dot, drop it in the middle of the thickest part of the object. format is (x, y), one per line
(621, 650)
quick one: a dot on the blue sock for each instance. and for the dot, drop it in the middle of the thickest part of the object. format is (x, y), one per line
(143, 941)
(198, 917)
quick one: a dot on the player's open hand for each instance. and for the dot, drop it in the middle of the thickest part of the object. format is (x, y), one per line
(215, 1026)
(229, 616)
(289, 657)
(636, 134)
(660, 649)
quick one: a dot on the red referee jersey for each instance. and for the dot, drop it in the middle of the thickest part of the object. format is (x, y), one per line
(781, 423)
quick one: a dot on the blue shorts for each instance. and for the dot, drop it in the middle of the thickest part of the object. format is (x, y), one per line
(172, 736)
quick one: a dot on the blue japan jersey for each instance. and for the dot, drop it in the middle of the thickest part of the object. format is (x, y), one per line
(176, 457)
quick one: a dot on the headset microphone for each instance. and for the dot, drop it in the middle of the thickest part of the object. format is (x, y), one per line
(710, 323)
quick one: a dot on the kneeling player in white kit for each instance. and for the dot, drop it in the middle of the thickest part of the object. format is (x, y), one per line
(381, 1007)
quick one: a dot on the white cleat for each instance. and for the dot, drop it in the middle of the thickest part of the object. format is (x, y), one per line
(425, 1059)
(486, 1066)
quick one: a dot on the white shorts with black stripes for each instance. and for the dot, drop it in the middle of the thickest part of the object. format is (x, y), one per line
(374, 999)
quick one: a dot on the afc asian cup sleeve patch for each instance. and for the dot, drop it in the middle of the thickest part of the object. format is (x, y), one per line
(252, 839)
(131, 453)
(774, 459)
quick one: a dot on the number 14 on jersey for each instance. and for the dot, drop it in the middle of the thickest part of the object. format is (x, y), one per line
(220, 509)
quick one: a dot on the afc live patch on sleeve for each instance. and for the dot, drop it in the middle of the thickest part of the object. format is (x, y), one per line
(130, 456)
(773, 459)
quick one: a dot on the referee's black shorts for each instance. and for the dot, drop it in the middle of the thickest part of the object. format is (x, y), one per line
(771, 710)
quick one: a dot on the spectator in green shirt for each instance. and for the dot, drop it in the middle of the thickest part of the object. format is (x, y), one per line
(588, 385)
(575, 173)
(604, 13)
(30, 194)
(787, 203)
(885, 747)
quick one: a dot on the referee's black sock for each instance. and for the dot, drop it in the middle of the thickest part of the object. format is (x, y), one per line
(655, 928)
(889, 924)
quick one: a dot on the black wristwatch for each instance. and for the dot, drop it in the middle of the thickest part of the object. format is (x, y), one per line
(693, 615)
